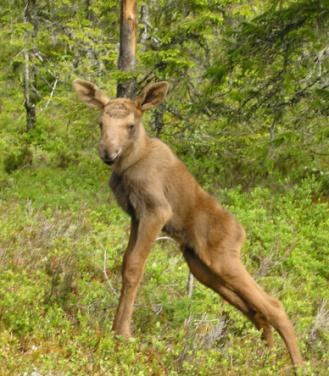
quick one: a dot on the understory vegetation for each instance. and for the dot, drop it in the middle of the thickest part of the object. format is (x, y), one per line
(248, 114)
(62, 239)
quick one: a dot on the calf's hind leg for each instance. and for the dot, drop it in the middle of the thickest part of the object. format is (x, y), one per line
(204, 275)
(228, 267)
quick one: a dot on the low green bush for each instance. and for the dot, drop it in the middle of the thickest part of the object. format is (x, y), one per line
(62, 240)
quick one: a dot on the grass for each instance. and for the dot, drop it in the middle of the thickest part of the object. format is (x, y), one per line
(62, 239)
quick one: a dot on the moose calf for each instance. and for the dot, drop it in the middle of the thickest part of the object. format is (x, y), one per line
(155, 188)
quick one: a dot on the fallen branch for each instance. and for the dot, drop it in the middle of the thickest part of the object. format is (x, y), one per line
(51, 94)
(164, 238)
(107, 277)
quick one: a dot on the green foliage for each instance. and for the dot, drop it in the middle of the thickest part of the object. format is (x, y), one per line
(17, 159)
(247, 109)
(62, 240)
(249, 84)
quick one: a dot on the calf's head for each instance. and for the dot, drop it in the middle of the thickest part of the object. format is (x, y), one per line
(120, 120)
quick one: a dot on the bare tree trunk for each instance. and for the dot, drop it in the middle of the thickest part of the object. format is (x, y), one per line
(89, 14)
(158, 121)
(128, 42)
(144, 18)
(190, 284)
(29, 70)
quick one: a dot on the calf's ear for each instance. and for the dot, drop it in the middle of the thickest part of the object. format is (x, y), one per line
(90, 93)
(152, 95)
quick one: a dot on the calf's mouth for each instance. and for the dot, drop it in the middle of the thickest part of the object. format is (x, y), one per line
(109, 160)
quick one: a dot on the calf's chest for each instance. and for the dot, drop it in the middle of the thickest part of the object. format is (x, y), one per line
(133, 197)
(121, 190)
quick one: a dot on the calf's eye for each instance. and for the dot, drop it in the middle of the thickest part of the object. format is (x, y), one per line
(131, 127)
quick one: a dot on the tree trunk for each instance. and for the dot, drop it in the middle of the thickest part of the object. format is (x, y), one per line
(128, 42)
(88, 12)
(190, 284)
(29, 70)
(158, 121)
(144, 18)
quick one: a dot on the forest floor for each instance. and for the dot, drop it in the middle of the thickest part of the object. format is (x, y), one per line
(62, 239)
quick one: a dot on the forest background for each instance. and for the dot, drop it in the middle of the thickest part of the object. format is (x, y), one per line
(247, 112)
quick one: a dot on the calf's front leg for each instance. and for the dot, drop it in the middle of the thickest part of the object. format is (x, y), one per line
(131, 245)
(148, 228)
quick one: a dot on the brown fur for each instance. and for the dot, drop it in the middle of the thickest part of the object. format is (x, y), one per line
(155, 188)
